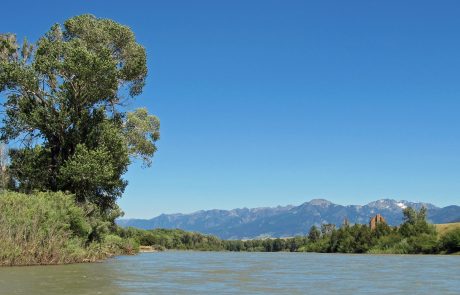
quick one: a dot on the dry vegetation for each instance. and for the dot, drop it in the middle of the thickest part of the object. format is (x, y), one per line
(446, 227)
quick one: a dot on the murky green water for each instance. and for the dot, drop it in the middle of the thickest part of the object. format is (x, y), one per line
(247, 273)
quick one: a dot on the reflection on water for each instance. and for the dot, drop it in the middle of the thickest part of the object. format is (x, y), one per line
(223, 272)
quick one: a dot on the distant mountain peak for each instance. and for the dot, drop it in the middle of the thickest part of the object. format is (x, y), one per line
(320, 202)
(403, 204)
(386, 203)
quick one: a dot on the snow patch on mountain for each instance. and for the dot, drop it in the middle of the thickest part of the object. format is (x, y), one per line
(401, 205)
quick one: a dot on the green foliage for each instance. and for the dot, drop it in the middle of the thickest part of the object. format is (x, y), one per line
(393, 243)
(423, 244)
(41, 228)
(173, 239)
(450, 242)
(414, 236)
(26, 168)
(320, 246)
(381, 229)
(90, 170)
(64, 99)
(183, 240)
(141, 130)
(64, 106)
(415, 223)
(51, 228)
(354, 239)
(314, 234)
(118, 245)
(327, 229)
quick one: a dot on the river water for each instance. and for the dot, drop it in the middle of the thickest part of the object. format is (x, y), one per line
(243, 273)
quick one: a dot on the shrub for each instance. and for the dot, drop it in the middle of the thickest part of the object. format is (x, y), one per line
(43, 228)
(115, 245)
(423, 244)
(450, 242)
(50, 228)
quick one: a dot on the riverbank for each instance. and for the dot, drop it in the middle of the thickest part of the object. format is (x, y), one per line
(417, 237)
(148, 249)
(51, 228)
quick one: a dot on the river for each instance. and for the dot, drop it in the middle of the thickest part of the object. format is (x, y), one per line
(243, 273)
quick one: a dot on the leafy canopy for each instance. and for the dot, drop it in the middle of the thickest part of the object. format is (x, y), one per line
(64, 109)
(415, 223)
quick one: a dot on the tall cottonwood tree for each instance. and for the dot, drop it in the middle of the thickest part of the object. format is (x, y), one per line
(64, 109)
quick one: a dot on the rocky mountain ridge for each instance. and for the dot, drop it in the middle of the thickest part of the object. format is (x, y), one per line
(286, 221)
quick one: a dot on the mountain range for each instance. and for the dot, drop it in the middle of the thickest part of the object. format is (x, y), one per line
(287, 221)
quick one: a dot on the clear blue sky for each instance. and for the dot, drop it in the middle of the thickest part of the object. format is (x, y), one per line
(278, 102)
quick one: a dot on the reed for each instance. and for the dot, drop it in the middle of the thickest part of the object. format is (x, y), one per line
(50, 228)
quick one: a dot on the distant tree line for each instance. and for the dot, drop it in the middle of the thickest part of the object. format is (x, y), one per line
(414, 236)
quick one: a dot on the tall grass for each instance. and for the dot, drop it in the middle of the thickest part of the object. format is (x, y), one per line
(443, 228)
(50, 228)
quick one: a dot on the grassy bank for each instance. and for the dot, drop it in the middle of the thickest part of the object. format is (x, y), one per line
(50, 228)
